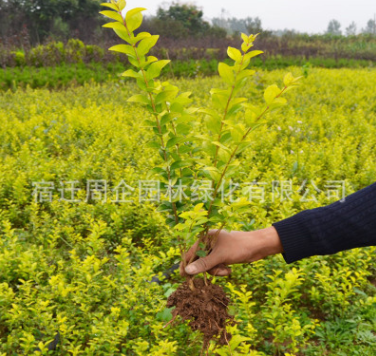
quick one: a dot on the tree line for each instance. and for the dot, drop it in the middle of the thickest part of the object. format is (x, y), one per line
(38, 21)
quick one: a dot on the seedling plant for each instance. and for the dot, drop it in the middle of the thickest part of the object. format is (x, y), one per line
(214, 155)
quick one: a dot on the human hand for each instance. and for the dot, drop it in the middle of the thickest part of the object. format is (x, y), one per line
(232, 248)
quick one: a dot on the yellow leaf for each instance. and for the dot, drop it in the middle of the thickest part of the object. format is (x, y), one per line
(271, 93)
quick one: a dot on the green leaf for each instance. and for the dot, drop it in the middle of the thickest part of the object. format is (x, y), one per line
(157, 170)
(141, 36)
(213, 124)
(134, 12)
(185, 149)
(155, 68)
(121, 4)
(271, 93)
(223, 156)
(112, 15)
(213, 173)
(224, 92)
(234, 110)
(209, 112)
(121, 31)
(175, 140)
(128, 50)
(114, 25)
(165, 95)
(277, 103)
(166, 118)
(180, 164)
(111, 6)
(289, 79)
(219, 101)
(131, 73)
(236, 101)
(216, 143)
(198, 208)
(289, 88)
(237, 134)
(245, 47)
(154, 144)
(211, 169)
(183, 129)
(123, 34)
(244, 37)
(239, 85)
(146, 44)
(134, 18)
(180, 103)
(151, 59)
(234, 54)
(252, 113)
(244, 145)
(165, 314)
(226, 72)
(245, 73)
(201, 253)
(236, 340)
(139, 98)
(134, 62)
(253, 54)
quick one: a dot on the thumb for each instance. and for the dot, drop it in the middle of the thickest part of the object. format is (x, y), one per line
(202, 264)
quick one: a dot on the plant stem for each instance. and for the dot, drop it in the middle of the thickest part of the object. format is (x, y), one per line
(234, 153)
(155, 115)
(226, 110)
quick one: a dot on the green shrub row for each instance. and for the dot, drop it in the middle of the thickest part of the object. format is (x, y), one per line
(56, 53)
(66, 75)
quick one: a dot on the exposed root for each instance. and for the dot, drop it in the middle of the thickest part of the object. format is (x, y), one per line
(205, 309)
(205, 279)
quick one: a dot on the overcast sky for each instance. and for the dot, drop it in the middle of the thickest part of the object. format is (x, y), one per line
(304, 16)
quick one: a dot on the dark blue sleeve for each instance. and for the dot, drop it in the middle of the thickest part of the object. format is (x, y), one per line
(337, 227)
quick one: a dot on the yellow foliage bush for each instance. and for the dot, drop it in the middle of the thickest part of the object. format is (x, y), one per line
(84, 269)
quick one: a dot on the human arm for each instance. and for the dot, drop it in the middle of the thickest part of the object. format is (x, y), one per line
(234, 247)
(337, 227)
(340, 226)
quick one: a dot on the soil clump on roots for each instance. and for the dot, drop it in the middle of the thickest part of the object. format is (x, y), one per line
(206, 309)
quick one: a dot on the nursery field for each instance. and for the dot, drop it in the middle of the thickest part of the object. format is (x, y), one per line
(81, 238)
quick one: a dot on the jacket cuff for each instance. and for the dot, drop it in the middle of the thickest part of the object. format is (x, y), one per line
(295, 237)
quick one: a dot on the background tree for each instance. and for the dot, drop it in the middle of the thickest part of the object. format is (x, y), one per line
(187, 18)
(235, 26)
(370, 27)
(334, 28)
(351, 29)
(44, 18)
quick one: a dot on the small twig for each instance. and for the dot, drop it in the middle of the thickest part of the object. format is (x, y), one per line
(215, 346)
(171, 321)
(228, 344)
(205, 279)
(67, 242)
(207, 350)
(191, 284)
(202, 349)
(215, 236)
